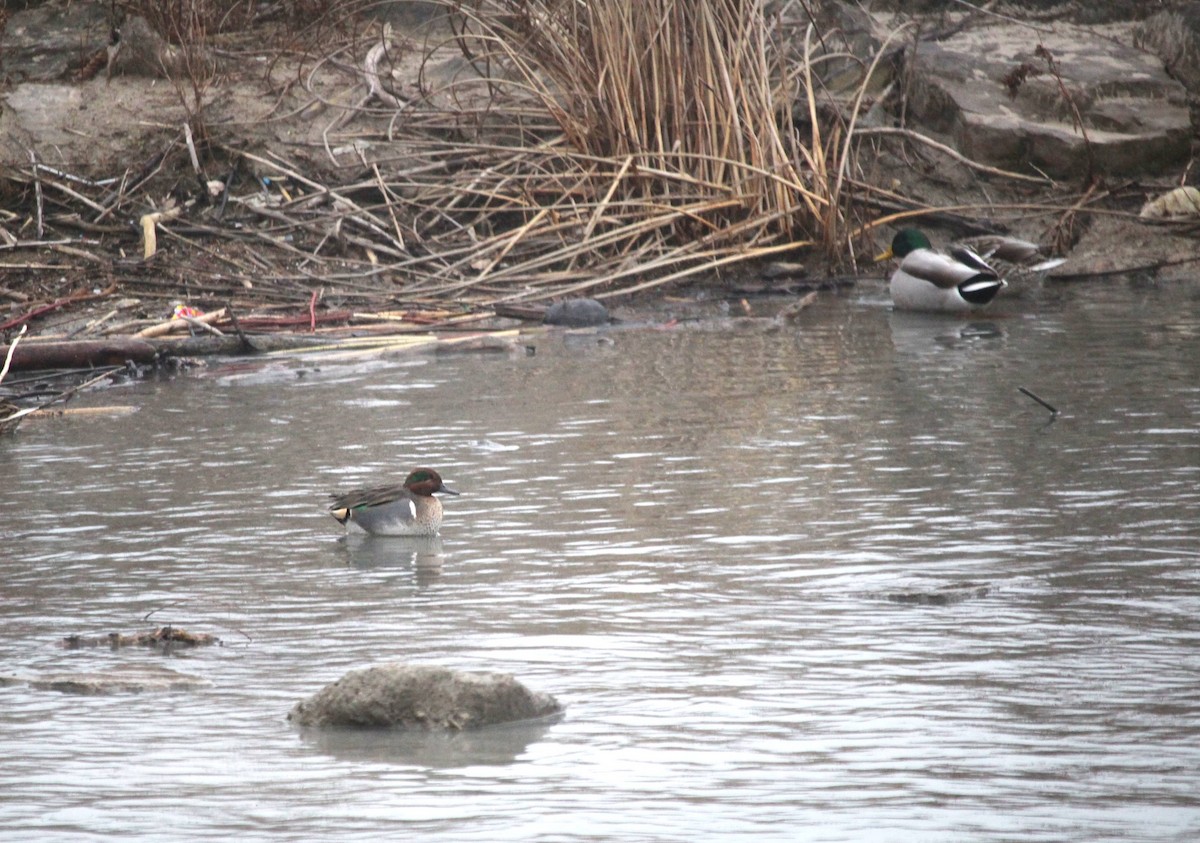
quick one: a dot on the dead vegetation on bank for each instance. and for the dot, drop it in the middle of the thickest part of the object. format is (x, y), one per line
(604, 148)
(593, 149)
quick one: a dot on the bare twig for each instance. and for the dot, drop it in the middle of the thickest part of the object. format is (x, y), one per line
(37, 189)
(952, 153)
(1076, 118)
(65, 394)
(1053, 410)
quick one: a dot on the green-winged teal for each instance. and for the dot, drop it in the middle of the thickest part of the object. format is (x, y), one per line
(407, 509)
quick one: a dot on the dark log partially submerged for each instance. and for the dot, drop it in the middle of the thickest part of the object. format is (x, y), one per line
(233, 345)
(116, 351)
(80, 354)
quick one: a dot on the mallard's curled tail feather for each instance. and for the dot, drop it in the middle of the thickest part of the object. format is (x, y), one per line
(1018, 261)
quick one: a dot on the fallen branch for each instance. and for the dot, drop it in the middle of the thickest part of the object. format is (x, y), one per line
(37, 188)
(176, 323)
(164, 638)
(952, 153)
(55, 305)
(82, 354)
(62, 396)
(111, 410)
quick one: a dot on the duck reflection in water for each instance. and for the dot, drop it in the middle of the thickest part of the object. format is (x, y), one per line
(423, 554)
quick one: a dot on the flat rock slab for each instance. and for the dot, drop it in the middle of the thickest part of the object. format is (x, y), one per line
(1135, 116)
(408, 696)
(46, 41)
(125, 679)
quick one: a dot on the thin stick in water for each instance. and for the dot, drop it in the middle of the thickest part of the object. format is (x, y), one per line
(1053, 410)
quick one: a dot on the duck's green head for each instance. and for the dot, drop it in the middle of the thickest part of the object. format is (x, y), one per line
(906, 240)
(426, 481)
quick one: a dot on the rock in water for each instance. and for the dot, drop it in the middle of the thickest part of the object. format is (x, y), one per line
(408, 696)
(577, 313)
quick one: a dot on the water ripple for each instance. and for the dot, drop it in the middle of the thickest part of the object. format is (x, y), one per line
(840, 582)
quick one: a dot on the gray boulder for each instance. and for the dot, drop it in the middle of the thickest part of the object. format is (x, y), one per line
(409, 696)
(1003, 103)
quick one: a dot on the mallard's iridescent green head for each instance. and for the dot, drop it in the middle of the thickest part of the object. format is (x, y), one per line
(426, 481)
(906, 241)
(909, 240)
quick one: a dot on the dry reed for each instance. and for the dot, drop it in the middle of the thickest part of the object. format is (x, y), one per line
(667, 147)
(604, 147)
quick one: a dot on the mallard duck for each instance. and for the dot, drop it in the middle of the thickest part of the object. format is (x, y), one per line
(407, 509)
(958, 282)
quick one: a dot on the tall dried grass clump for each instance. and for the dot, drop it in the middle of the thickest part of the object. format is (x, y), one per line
(604, 146)
(681, 113)
(682, 87)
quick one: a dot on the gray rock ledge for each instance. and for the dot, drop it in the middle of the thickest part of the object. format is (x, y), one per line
(1134, 116)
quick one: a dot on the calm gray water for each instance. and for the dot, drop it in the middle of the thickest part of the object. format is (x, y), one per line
(711, 545)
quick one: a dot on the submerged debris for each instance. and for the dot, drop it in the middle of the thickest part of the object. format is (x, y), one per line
(123, 679)
(164, 638)
(945, 596)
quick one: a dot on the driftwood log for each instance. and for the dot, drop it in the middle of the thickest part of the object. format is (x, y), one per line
(81, 354)
(116, 351)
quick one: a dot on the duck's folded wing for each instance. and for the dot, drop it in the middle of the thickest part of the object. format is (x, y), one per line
(944, 271)
(971, 260)
(375, 496)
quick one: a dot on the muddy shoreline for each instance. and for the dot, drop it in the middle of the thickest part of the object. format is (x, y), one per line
(273, 208)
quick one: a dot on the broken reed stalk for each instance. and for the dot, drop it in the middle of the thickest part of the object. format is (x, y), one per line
(950, 152)
(37, 188)
(12, 349)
